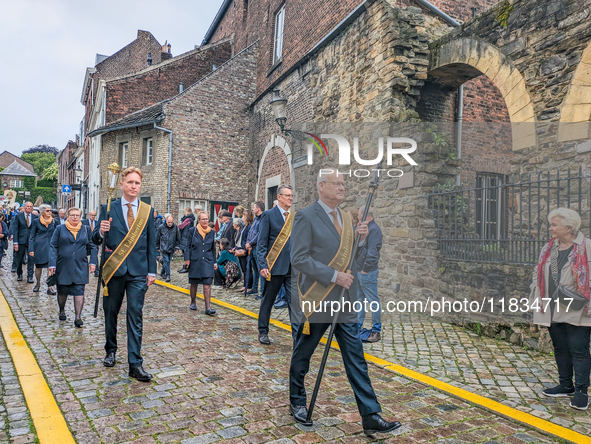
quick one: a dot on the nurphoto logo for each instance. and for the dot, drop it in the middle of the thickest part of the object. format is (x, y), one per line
(401, 146)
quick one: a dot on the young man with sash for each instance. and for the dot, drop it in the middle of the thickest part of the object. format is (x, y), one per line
(273, 256)
(321, 255)
(129, 269)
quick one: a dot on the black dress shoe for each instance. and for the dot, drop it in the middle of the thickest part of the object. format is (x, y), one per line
(13, 270)
(30, 280)
(36, 289)
(19, 278)
(264, 339)
(374, 423)
(140, 374)
(51, 291)
(300, 414)
(109, 360)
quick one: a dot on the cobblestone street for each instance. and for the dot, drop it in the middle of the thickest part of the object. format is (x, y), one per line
(213, 382)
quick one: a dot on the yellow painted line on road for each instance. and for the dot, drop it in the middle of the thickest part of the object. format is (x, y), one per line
(49, 422)
(482, 401)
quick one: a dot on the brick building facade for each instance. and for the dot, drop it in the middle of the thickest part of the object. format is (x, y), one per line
(209, 122)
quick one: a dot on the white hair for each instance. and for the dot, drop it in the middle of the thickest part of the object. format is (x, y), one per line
(237, 221)
(198, 208)
(44, 207)
(570, 218)
(167, 215)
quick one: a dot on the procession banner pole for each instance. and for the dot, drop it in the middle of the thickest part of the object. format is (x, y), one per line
(113, 174)
(373, 185)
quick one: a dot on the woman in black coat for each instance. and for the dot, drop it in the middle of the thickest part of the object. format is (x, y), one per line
(42, 230)
(200, 260)
(69, 261)
(187, 222)
(4, 235)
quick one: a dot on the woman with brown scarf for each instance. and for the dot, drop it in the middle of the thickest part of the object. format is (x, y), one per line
(42, 230)
(200, 260)
(69, 261)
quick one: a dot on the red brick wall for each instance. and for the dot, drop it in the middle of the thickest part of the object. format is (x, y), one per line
(210, 123)
(133, 93)
(275, 163)
(306, 23)
(127, 60)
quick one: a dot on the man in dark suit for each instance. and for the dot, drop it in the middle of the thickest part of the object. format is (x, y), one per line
(270, 225)
(21, 231)
(135, 274)
(317, 230)
(91, 223)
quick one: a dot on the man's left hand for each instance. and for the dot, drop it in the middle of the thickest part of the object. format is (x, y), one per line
(150, 280)
(92, 268)
(362, 229)
(364, 272)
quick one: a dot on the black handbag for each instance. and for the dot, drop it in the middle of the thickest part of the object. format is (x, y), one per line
(569, 298)
(51, 280)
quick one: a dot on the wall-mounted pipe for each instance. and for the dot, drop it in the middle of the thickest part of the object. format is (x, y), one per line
(168, 195)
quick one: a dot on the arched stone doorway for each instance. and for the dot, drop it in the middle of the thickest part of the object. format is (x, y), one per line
(275, 168)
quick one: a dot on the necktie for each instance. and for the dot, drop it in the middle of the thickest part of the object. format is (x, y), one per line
(91, 225)
(286, 214)
(28, 221)
(335, 221)
(130, 217)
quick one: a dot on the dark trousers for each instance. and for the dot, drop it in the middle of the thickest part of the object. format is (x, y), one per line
(571, 351)
(242, 261)
(20, 256)
(135, 287)
(270, 292)
(347, 336)
(218, 277)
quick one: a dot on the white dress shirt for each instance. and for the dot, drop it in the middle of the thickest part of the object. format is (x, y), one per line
(283, 211)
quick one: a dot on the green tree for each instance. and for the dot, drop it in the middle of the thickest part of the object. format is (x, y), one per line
(50, 173)
(40, 161)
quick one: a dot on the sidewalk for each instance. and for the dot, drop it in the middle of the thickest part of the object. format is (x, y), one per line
(215, 382)
(497, 369)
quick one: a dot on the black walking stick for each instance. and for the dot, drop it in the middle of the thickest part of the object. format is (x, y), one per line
(113, 171)
(373, 185)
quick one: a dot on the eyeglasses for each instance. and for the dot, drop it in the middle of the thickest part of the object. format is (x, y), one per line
(289, 196)
(205, 219)
(74, 215)
(337, 184)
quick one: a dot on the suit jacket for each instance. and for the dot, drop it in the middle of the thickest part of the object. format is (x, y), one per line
(269, 228)
(20, 231)
(317, 243)
(142, 259)
(4, 239)
(40, 239)
(68, 255)
(230, 233)
(87, 223)
(201, 253)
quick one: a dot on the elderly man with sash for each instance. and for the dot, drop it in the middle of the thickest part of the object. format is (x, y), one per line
(273, 256)
(321, 255)
(129, 269)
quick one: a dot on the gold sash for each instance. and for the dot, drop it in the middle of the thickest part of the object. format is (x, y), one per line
(127, 244)
(318, 292)
(279, 243)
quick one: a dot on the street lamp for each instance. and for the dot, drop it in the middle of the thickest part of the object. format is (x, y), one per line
(78, 173)
(279, 105)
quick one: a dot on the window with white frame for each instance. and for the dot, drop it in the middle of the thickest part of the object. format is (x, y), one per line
(148, 151)
(192, 203)
(278, 45)
(16, 183)
(124, 154)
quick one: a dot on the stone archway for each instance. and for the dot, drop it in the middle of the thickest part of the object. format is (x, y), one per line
(457, 61)
(279, 142)
(577, 103)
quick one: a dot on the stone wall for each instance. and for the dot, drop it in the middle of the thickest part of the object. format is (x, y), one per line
(210, 122)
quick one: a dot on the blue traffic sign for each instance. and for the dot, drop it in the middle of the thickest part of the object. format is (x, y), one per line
(66, 189)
